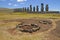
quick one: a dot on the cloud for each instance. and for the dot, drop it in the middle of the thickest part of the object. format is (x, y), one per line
(15, 5)
(9, 3)
(21, 0)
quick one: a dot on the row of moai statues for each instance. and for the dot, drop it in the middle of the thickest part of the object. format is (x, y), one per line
(36, 9)
(46, 8)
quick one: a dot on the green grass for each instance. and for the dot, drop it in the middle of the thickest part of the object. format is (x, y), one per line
(4, 16)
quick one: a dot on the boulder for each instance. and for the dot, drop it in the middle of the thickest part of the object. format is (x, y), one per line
(28, 28)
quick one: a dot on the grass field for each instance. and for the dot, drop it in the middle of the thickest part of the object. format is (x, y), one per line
(4, 16)
(13, 16)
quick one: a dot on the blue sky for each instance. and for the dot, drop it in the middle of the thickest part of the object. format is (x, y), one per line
(53, 4)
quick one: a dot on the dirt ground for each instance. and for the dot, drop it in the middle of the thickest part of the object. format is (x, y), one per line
(8, 30)
(56, 31)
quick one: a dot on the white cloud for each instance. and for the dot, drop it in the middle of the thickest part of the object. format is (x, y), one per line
(15, 5)
(21, 0)
(9, 3)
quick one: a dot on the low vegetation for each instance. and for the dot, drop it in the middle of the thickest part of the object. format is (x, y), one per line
(21, 15)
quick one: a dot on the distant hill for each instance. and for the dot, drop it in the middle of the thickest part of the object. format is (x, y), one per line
(6, 10)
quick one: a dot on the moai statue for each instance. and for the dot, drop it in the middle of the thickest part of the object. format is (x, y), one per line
(30, 8)
(42, 7)
(23, 9)
(33, 9)
(37, 9)
(47, 8)
(27, 9)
